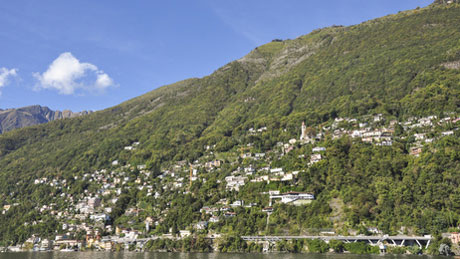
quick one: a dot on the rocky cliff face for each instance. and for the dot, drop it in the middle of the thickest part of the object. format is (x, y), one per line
(31, 115)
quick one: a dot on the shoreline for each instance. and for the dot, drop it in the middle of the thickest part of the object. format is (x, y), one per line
(197, 252)
(249, 245)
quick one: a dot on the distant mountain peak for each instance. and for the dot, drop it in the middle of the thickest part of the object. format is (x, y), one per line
(11, 119)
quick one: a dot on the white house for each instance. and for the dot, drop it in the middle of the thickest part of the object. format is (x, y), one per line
(238, 203)
(315, 158)
(447, 133)
(201, 225)
(318, 149)
(419, 136)
(214, 219)
(276, 170)
(235, 182)
(295, 198)
(287, 177)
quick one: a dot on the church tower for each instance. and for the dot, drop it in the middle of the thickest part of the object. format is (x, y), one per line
(303, 136)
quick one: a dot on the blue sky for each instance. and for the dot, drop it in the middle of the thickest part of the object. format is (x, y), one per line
(93, 54)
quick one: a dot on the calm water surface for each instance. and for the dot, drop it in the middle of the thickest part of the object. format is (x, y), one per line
(129, 255)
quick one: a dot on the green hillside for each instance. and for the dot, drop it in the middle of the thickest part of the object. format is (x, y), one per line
(402, 66)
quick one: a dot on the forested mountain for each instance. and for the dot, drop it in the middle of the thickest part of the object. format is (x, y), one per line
(31, 115)
(402, 66)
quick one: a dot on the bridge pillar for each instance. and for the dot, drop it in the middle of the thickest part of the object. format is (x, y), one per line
(266, 247)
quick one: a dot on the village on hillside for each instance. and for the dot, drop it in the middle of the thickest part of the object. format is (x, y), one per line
(85, 218)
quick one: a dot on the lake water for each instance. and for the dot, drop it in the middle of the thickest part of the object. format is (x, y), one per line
(129, 255)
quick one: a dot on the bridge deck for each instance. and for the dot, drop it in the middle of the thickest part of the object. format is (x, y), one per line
(357, 238)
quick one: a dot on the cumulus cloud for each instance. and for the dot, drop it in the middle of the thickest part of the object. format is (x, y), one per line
(67, 75)
(5, 75)
(103, 80)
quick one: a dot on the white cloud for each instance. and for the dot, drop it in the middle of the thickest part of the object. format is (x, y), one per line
(103, 80)
(67, 75)
(5, 75)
